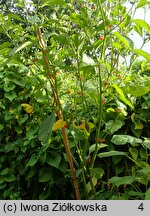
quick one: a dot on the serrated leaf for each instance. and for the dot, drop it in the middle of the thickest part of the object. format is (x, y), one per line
(33, 160)
(59, 124)
(45, 129)
(124, 139)
(111, 153)
(22, 46)
(117, 181)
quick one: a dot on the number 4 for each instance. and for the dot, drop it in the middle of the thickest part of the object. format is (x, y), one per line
(141, 207)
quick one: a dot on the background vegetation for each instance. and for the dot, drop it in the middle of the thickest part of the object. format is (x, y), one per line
(74, 100)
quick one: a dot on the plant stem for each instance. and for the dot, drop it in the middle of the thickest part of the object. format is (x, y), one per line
(59, 113)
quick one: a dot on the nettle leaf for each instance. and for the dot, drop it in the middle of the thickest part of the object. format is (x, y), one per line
(33, 160)
(113, 126)
(142, 53)
(111, 153)
(45, 175)
(117, 181)
(18, 48)
(45, 129)
(124, 139)
(54, 159)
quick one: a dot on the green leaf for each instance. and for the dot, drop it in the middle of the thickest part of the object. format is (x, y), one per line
(113, 126)
(123, 39)
(137, 90)
(97, 172)
(122, 96)
(145, 170)
(111, 153)
(134, 153)
(142, 53)
(79, 134)
(54, 159)
(124, 139)
(10, 178)
(45, 129)
(142, 24)
(1, 127)
(45, 175)
(100, 145)
(88, 185)
(146, 143)
(33, 160)
(22, 46)
(117, 181)
(5, 171)
(147, 194)
(142, 3)
(10, 95)
(56, 2)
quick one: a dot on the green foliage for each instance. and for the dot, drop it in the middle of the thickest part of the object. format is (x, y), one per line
(104, 102)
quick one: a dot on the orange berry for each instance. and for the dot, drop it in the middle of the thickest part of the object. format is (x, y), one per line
(101, 38)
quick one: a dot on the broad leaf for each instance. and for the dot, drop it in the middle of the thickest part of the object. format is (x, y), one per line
(113, 126)
(146, 143)
(117, 181)
(45, 175)
(54, 159)
(45, 129)
(59, 124)
(124, 139)
(33, 160)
